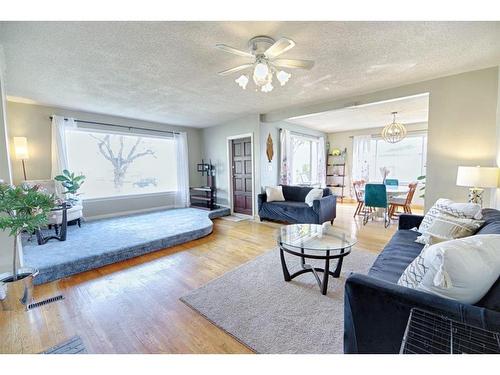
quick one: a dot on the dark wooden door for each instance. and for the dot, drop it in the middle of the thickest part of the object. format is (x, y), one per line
(242, 175)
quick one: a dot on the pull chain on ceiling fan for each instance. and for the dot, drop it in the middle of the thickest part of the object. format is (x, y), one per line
(263, 52)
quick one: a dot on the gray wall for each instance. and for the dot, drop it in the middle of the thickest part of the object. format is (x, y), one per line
(215, 148)
(269, 172)
(462, 125)
(32, 121)
(6, 242)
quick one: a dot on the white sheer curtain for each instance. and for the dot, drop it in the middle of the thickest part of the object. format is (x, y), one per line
(181, 150)
(361, 156)
(59, 154)
(321, 162)
(286, 166)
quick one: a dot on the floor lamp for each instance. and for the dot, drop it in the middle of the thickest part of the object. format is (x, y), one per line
(476, 179)
(21, 150)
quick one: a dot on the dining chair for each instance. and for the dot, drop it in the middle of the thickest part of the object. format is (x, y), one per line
(405, 202)
(376, 197)
(360, 198)
(392, 181)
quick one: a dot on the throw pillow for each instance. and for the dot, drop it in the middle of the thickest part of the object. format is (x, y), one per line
(447, 206)
(415, 271)
(446, 227)
(463, 269)
(314, 194)
(274, 194)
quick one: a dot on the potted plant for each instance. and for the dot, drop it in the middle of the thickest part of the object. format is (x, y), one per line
(22, 208)
(71, 183)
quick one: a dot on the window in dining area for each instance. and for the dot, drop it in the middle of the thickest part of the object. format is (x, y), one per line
(405, 160)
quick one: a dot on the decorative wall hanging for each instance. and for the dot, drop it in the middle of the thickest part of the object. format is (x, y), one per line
(269, 148)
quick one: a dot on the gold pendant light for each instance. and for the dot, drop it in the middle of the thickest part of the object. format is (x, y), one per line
(394, 132)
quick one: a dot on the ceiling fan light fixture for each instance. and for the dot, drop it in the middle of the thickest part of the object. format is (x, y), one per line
(283, 77)
(242, 81)
(261, 74)
(266, 62)
(268, 87)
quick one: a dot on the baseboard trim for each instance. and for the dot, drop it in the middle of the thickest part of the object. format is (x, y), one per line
(126, 213)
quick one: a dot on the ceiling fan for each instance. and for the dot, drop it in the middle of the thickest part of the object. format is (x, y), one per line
(264, 52)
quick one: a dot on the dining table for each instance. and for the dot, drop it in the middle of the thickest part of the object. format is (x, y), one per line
(392, 190)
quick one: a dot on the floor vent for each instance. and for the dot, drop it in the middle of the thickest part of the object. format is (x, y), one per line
(45, 302)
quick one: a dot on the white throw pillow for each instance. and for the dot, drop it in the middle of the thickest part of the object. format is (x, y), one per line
(463, 269)
(314, 194)
(446, 227)
(274, 194)
(447, 206)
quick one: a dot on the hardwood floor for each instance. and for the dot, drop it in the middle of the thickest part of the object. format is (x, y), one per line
(134, 307)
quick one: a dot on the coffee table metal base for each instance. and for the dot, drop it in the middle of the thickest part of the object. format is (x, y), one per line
(306, 268)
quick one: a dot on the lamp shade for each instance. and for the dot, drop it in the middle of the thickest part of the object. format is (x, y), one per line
(21, 148)
(480, 177)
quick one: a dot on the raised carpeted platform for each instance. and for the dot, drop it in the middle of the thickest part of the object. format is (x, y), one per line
(101, 242)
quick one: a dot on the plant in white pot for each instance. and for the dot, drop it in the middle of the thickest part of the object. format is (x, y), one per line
(22, 208)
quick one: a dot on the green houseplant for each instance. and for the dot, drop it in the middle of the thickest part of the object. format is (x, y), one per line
(22, 208)
(71, 183)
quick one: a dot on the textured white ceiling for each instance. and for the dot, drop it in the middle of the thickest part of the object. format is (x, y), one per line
(410, 110)
(166, 71)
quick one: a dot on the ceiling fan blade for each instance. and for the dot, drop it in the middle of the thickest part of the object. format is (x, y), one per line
(234, 51)
(280, 46)
(235, 69)
(293, 63)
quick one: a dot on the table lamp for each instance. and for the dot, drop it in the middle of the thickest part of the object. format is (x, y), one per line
(477, 178)
(21, 150)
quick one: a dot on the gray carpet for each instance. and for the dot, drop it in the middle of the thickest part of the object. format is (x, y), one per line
(101, 242)
(256, 306)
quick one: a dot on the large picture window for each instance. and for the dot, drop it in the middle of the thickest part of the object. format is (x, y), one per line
(304, 160)
(117, 164)
(405, 160)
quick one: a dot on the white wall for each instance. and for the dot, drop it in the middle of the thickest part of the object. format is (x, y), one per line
(32, 121)
(344, 140)
(269, 172)
(461, 128)
(6, 242)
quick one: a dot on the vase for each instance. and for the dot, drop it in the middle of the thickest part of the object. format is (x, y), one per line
(17, 294)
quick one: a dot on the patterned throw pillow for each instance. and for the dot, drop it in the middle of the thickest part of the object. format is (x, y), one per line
(446, 227)
(463, 269)
(447, 206)
(413, 274)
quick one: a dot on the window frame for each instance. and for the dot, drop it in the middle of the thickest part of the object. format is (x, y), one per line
(423, 158)
(104, 130)
(310, 139)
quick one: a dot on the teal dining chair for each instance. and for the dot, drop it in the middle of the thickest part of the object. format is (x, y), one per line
(376, 197)
(392, 181)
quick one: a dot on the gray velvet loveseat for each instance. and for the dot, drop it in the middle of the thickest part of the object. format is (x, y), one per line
(294, 210)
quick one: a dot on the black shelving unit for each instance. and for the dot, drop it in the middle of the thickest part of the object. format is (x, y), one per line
(205, 197)
(335, 176)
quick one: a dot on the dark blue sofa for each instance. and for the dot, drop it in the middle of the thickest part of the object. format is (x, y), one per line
(294, 209)
(376, 309)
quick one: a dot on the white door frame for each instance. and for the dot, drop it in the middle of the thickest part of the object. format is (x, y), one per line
(230, 170)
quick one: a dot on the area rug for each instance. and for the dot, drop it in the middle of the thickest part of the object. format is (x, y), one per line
(256, 306)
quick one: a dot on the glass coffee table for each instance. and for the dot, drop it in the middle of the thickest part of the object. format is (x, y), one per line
(313, 241)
